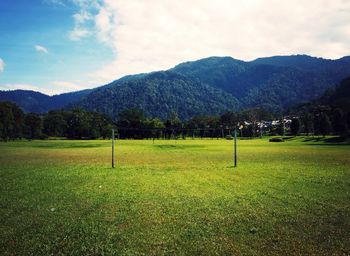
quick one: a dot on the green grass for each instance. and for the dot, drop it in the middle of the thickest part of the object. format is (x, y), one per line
(174, 198)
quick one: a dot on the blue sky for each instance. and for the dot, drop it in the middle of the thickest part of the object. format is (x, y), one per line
(37, 50)
(56, 46)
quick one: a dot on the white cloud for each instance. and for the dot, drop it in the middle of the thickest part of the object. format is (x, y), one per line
(104, 21)
(87, 4)
(80, 29)
(55, 87)
(82, 16)
(82, 26)
(78, 33)
(40, 48)
(31, 87)
(157, 34)
(2, 65)
(71, 86)
(55, 2)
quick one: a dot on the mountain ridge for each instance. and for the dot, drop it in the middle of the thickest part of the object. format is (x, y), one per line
(275, 83)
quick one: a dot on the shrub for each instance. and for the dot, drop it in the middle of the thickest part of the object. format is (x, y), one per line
(276, 140)
(288, 137)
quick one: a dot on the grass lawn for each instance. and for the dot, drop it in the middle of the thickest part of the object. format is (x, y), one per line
(174, 198)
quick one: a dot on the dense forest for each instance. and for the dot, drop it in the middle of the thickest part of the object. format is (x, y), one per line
(329, 114)
(36, 102)
(74, 124)
(130, 123)
(208, 86)
(221, 81)
(158, 94)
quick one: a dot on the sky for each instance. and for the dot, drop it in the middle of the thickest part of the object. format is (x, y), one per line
(56, 46)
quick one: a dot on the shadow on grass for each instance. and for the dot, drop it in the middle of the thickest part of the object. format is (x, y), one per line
(328, 141)
(172, 146)
(69, 145)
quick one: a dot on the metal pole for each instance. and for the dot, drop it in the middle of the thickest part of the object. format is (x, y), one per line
(112, 148)
(235, 148)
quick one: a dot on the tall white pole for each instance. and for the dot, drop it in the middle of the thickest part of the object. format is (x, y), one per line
(113, 148)
(235, 148)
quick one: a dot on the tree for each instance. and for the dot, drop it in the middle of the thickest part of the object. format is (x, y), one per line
(55, 123)
(295, 126)
(229, 119)
(339, 122)
(248, 130)
(255, 114)
(130, 122)
(153, 126)
(325, 124)
(78, 125)
(18, 125)
(132, 117)
(174, 119)
(11, 121)
(103, 125)
(6, 120)
(307, 121)
(281, 127)
(75, 124)
(33, 126)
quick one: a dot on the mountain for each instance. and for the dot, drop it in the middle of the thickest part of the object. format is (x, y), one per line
(62, 100)
(334, 70)
(270, 82)
(272, 86)
(31, 101)
(339, 97)
(207, 86)
(158, 94)
(333, 107)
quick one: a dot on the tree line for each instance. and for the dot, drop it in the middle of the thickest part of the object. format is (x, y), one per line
(72, 124)
(133, 124)
(322, 120)
(329, 114)
(254, 122)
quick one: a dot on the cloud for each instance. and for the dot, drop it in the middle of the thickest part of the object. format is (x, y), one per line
(31, 87)
(80, 29)
(2, 65)
(82, 19)
(78, 33)
(157, 34)
(88, 4)
(82, 16)
(54, 2)
(104, 21)
(40, 48)
(71, 86)
(56, 87)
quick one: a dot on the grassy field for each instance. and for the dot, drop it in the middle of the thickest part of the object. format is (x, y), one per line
(174, 198)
